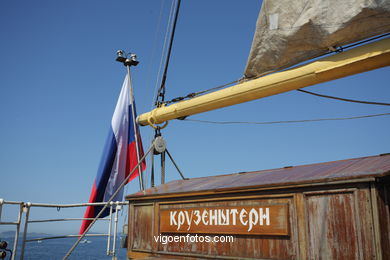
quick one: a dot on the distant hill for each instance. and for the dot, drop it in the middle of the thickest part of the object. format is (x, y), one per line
(8, 234)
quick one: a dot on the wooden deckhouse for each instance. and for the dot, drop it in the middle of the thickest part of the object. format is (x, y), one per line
(332, 210)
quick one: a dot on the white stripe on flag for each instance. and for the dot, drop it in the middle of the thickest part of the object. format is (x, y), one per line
(120, 126)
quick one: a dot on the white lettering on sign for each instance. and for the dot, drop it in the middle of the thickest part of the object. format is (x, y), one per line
(172, 218)
(220, 217)
(234, 213)
(264, 216)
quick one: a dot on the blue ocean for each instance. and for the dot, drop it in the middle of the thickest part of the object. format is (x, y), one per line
(93, 248)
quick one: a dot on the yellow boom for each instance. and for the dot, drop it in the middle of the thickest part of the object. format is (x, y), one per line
(357, 60)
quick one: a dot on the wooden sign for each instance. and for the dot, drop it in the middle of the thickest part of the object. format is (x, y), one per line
(243, 220)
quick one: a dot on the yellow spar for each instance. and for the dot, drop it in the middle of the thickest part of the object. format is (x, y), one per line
(354, 61)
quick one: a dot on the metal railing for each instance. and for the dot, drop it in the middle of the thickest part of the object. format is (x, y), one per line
(25, 208)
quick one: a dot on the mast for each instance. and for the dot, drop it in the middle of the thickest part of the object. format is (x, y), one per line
(354, 61)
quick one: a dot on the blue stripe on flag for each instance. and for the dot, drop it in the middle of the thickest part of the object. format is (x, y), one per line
(106, 163)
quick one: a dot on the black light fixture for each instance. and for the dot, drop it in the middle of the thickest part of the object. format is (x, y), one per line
(3, 247)
(129, 59)
(120, 56)
(3, 244)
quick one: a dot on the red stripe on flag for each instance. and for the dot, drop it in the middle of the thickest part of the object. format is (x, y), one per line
(132, 159)
(90, 212)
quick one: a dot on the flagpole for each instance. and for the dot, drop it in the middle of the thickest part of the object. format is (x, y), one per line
(140, 178)
(106, 205)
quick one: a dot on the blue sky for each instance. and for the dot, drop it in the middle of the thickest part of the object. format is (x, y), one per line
(59, 83)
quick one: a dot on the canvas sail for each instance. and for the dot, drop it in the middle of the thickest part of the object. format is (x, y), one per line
(289, 32)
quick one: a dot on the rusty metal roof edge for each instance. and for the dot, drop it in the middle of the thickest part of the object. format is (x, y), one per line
(285, 167)
(291, 167)
(368, 178)
(320, 181)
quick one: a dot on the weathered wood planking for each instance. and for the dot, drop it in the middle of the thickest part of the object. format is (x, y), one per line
(142, 228)
(332, 226)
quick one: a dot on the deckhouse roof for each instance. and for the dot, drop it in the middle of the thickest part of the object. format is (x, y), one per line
(327, 172)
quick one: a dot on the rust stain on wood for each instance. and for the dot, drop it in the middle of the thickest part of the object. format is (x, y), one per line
(142, 227)
(332, 226)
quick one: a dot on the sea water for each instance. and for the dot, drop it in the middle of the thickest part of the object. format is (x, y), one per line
(94, 248)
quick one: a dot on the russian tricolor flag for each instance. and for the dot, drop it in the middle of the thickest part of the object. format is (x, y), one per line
(119, 155)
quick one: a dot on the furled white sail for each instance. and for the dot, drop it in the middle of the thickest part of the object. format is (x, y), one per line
(289, 32)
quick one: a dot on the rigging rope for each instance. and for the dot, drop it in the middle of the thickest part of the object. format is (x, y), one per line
(169, 22)
(161, 92)
(191, 95)
(285, 122)
(154, 52)
(345, 99)
(163, 55)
